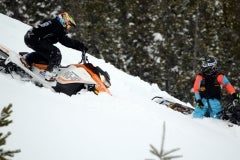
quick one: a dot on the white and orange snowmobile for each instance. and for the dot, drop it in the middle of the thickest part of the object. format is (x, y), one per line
(71, 79)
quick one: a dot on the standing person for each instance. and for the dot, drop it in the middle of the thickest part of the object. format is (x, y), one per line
(42, 39)
(207, 89)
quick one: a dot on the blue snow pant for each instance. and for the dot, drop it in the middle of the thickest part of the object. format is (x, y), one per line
(211, 106)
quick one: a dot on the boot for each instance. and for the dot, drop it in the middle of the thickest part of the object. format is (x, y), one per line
(50, 76)
(23, 59)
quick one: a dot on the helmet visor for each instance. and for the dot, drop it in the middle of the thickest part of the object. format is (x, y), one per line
(208, 64)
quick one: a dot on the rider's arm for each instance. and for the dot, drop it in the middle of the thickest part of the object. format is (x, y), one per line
(223, 80)
(72, 43)
(196, 87)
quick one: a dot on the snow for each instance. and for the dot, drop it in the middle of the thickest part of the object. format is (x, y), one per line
(53, 126)
(158, 37)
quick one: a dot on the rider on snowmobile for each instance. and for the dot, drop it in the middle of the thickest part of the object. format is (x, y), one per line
(42, 38)
(207, 89)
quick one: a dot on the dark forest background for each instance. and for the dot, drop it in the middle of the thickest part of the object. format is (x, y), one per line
(126, 34)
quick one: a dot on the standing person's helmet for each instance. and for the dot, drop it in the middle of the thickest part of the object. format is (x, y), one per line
(209, 65)
(66, 20)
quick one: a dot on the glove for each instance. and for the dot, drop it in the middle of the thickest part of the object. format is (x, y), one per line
(84, 49)
(80, 46)
(236, 97)
(199, 104)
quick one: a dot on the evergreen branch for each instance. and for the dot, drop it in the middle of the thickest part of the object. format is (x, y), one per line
(6, 111)
(154, 151)
(163, 139)
(9, 153)
(3, 139)
(171, 151)
(4, 121)
(161, 154)
(172, 157)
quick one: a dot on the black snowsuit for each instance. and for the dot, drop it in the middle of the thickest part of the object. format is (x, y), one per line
(41, 40)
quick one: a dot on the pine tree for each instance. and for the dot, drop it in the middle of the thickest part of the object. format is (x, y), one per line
(4, 121)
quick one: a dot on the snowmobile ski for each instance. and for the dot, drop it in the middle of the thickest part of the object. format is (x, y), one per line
(175, 106)
(15, 58)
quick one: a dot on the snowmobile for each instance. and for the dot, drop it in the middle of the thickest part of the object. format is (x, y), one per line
(175, 106)
(71, 79)
(231, 113)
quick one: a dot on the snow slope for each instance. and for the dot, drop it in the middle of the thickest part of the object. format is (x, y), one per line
(53, 126)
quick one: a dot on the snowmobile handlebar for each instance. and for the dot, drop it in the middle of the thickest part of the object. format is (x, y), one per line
(232, 105)
(236, 103)
(84, 58)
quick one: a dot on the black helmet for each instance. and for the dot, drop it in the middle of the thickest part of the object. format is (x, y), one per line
(209, 65)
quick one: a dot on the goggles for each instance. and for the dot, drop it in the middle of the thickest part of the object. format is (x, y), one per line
(67, 21)
(207, 64)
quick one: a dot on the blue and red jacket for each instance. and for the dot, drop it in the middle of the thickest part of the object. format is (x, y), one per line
(209, 87)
